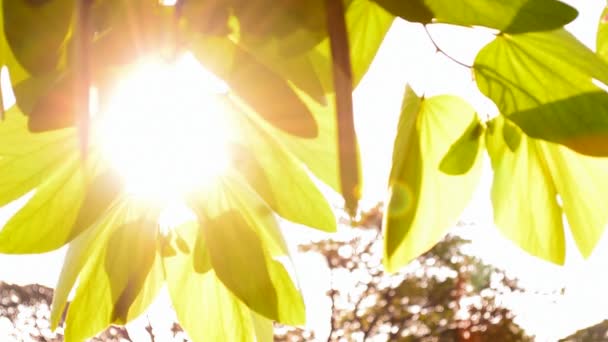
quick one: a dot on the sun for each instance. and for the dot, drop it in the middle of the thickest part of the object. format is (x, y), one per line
(164, 128)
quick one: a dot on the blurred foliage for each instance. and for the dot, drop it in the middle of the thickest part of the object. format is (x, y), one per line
(446, 294)
(25, 313)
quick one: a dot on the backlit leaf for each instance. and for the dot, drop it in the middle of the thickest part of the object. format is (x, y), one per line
(79, 254)
(545, 82)
(270, 95)
(7, 58)
(514, 16)
(602, 35)
(52, 211)
(279, 178)
(462, 155)
(256, 84)
(410, 10)
(37, 31)
(527, 183)
(120, 282)
(25, 159)
(47, 100)
(205, 308)
(243, 239)
(424, 201)
(101, 193)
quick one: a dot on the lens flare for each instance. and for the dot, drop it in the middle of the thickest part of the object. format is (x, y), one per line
(163, 128)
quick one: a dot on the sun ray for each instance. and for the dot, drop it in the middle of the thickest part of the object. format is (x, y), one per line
(163, 129)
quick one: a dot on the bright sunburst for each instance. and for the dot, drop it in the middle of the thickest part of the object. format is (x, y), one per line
(164, 129)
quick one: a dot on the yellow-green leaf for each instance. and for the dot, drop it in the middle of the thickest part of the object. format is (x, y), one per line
(546, 83)
(513, 16)
(279, 178)
(243, 239)
(205, 308)
(37, 31)
(462, 155)
(424, 202)
(26, 160)
(527, 183)
(120, 282)
(602, 35)
(50, 212)
(79, 254)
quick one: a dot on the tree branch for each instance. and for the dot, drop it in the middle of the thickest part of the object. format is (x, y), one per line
(441, 51)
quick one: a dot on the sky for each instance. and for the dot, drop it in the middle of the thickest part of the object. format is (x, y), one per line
(408, 57)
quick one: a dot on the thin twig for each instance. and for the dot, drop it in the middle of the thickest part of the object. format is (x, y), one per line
(332, 293)
(149, 330)
(438, 49)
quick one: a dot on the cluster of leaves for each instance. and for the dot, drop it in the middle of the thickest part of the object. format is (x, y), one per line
(443, 295)
(291, 67)
(229, 265)
(545, 146)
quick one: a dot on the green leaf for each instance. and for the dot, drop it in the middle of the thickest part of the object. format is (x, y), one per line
(52, 211)
(243, 239)
(26, 160)
(256, 84)
(100, 195)
(514, 16)
(79, 255)
(238, 259)
(128, 265)
(119, 283)
(264, 329)
(50, 163)
(525, 189)
(309, 75)
(424, 201)
(196, 295)
(47, 100)
(602, 35)
(7, 58)
(260, 87)
(366, 23)
(462, 155)
(410, 10)
(545, 83)
(299, 26)
(278, 177)
(320, 155)
(37, 31)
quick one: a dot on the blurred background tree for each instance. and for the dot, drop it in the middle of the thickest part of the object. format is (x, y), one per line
(447, 294)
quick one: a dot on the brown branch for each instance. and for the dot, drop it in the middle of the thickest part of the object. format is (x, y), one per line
(82, 85)
(343, 86)
(149, 330)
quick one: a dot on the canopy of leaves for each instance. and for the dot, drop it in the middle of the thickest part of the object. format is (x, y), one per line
(291, 67)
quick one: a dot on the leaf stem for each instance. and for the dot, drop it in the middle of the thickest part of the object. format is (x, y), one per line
(440, 50)
(83, 72)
